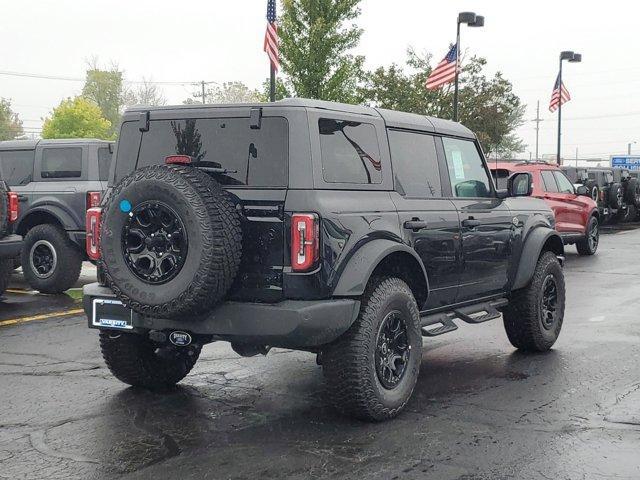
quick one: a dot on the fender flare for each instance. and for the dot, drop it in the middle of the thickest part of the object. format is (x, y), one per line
(531, 251)
(59, 214)
(357, 272)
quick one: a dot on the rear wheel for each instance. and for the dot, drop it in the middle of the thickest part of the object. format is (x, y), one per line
(589, 244)
(50, 262)
(5, 274)
(137, 361)
(372, 369)
(533, 319)
(594, 191)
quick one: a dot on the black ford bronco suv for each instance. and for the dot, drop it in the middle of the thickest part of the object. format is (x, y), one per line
(346, 231)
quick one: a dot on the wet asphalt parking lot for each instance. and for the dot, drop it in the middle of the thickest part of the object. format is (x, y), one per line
(480, 409)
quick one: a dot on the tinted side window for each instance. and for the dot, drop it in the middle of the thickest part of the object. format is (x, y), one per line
(501, 177)
(550, 184)
(17, 166)
(415, 164)
(104, 162)
(127, 149)
(466, 169)
(61, 162)
(245, 156)
(564, 184)
(350, 152)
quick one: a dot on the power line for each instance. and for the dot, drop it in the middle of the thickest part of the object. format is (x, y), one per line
(76, 79)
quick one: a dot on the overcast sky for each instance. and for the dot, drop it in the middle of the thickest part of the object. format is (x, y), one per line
(216, 40)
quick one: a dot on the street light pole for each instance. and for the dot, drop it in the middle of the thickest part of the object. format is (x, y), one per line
(472, 20)
(629, 147)
(573, 58)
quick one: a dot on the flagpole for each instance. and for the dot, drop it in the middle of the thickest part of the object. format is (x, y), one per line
(272, 84)
(455, 88)
(559, 111)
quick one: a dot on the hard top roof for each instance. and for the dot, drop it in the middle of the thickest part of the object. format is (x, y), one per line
(31, 144)
(391, 117)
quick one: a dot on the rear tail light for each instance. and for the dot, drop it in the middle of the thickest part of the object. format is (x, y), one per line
(13, 206)
(94, 218)
(93, 199)
(305, 241)
(177, 160)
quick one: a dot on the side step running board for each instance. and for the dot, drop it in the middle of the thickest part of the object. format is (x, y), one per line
(481, 312)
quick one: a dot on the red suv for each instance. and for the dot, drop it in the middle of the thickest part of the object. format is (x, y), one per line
(577, 217)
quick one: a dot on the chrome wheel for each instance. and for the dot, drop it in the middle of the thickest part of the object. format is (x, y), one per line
(43, 259)
(594, 235)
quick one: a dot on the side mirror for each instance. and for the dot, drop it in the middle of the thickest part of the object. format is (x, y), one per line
(520, 184)
(582, 190)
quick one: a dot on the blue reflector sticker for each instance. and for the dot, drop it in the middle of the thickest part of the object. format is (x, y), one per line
(125, 206)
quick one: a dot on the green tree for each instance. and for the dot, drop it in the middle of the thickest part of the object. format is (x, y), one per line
(77, 118)
(228, 92)
(488, 106)
(10, 124)
(105, 89)
(146, 93)
(315, 39)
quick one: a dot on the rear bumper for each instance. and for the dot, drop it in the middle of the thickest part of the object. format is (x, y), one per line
(10, 246)
(290, 323)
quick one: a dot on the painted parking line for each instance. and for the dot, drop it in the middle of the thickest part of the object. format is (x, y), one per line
(17, 321)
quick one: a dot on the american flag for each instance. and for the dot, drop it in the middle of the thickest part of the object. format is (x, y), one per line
(271, 36)
(445, 72)
(559, 96)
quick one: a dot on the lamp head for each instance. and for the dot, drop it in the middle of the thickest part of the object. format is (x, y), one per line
(479, 22)
(566, 55)
(577, 58)
(467, 17)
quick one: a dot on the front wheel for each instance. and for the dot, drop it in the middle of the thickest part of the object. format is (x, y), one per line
(372, 369)
(533, 319)
(137, 361)
(589, 244)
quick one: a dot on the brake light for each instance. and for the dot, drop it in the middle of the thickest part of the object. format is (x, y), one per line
(177, 160)
(305, 241)
(13, 206)
(93, 199)
(94, 218)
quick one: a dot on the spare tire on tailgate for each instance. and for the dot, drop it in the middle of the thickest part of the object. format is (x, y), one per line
(171, 241)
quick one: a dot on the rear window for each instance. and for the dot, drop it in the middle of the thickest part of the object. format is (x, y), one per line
(61, 163)
(350, 152)
(17, 166)
(104, 162)
(252, 157)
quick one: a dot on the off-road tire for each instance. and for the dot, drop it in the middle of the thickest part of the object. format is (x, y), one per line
(353, 385)
(214, 237)
(586, 247)
(632, 192)
(68, 260)
(132, 359)
(523, 315)
(594, 190)
(5, 274)
(616, 196)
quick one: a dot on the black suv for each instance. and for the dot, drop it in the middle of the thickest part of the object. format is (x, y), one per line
(346, 231)
(56, 182)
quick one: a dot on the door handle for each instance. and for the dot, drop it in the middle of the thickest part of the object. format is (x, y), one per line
(416, 224)
(471, 223)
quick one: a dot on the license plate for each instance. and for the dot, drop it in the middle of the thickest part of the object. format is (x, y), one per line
(109, 313)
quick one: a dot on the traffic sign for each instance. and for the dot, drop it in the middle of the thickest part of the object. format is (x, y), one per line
(630, 162)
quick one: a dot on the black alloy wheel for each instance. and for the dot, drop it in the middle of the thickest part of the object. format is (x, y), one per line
(392, 350)
(43, 259)
(154, 242)
(549, 302)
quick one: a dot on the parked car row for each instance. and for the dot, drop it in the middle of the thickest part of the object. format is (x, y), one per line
(615, 190)
(55, 182)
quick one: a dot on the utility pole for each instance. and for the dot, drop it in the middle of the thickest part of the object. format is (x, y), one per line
(537, 120)
(203, 93)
